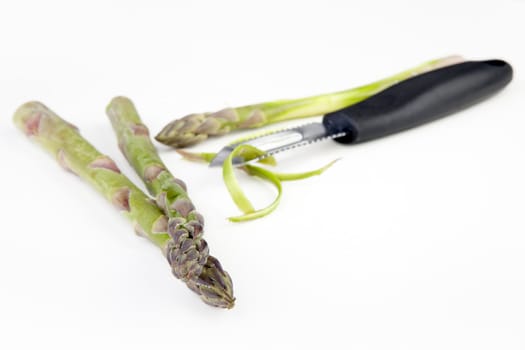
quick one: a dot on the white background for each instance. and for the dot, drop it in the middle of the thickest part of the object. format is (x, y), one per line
(415, 241)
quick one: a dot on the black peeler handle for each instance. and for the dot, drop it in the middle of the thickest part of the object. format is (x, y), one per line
(419, 100)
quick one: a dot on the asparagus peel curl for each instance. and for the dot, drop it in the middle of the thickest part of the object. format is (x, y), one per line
(62, 140)
(234, 188)
(197, 127)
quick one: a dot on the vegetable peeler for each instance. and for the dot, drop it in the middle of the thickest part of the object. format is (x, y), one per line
(408, 104)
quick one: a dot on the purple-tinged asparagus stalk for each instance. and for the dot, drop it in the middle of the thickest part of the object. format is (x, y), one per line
(188, 252)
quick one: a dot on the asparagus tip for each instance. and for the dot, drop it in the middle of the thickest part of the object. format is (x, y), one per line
(214, 285)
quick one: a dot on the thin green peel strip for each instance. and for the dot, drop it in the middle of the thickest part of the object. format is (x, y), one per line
(205, 157)
(304, 175)
(267, 175)
(236, 192)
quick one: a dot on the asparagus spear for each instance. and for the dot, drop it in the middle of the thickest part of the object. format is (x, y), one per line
(195, 128)
(77, 155)
(188, 252)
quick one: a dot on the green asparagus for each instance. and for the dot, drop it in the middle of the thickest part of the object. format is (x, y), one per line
(77, 155)
(188, 252)
(195, 128)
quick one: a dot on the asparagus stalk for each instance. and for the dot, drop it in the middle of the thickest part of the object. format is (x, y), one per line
(188, 252)
(195, 128)
(77, 155)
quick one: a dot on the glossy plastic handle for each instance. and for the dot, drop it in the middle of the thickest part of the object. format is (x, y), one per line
(419, 100)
